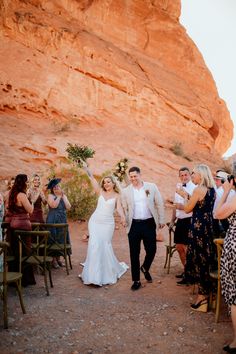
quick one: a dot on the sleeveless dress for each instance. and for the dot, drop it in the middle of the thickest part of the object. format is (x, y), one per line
(20, 220)
(1, 219)
(37, 215)
(101, 266)
(201, 251)
(228, 263)
(58, 216)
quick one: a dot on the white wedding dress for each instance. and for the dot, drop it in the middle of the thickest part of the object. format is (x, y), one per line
(101, 266)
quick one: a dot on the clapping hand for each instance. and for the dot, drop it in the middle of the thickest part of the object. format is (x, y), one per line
(181, 192)
(228, 185)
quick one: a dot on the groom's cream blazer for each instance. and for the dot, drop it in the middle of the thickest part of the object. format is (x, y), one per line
(154, 202)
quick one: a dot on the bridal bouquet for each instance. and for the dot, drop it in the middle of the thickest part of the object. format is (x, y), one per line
(120, 169)
(78, 154)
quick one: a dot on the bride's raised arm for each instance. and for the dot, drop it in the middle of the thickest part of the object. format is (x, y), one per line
(91, 177)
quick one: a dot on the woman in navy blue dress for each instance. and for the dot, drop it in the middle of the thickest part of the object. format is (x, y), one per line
(58, 204)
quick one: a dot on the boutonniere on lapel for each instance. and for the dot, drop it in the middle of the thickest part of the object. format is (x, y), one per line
(147, 192)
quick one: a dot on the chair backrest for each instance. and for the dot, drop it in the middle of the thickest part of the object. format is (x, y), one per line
(60, 227)
(39, 240)
(219, 245)
(171, 233)
(3, 252)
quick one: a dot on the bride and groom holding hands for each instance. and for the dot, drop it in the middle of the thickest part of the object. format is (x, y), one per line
(141, 210)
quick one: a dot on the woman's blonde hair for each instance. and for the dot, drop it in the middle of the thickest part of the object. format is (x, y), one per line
(115, 187)
(206, 176)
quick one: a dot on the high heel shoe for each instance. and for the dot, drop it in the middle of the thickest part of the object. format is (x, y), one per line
(229, 349)
(201, 306)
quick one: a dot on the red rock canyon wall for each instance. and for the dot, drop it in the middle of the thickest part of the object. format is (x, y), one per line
(119, 75)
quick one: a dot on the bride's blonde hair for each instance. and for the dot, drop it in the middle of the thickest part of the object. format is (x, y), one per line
(115, 187)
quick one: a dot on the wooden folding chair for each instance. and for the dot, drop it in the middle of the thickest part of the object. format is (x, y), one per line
(36, 253)
(7, 278)
(215, 275)
(170, 248)
(55, 248)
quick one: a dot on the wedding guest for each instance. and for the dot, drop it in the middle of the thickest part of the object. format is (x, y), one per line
(58, 204)
(144, 210)
(1, 219)
(10, 183)
(36, 193)
(200, 251)
(226, 208)
(220, 226)
(183, 219)
(20, 208)
(101, 266)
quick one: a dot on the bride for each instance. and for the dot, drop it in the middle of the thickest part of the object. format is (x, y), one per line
(101, 266)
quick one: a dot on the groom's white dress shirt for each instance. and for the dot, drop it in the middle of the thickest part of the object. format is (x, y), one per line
(141, 210)
(154, 203)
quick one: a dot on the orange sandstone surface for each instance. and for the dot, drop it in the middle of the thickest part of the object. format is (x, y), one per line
(120, 76)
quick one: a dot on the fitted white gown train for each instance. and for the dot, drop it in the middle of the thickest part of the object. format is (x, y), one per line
(101, 266)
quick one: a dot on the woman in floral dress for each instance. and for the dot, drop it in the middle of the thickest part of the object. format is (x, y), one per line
(1, 219)
(200, 252)
(227, 208)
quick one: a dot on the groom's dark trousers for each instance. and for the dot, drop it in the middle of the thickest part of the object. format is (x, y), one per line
(142, 230)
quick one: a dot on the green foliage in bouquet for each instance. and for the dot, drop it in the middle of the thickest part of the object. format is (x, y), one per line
(120, 169)
(78, 189)
(81, 196)
(78, 153)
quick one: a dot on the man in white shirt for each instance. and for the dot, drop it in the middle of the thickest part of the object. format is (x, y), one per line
(221, 226)
(183, 219)
(144, 211)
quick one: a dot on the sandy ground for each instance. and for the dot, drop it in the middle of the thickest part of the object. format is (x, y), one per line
(84, 319)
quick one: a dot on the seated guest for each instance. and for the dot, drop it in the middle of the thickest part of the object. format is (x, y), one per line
(200, 251)
(226, 208)
(58, 204)
(36, 193)
(183, 219)
(20, 208)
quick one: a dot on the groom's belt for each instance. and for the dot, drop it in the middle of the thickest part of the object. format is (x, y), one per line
(142, 220)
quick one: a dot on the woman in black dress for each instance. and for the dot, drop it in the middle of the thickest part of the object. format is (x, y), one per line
(200, 252)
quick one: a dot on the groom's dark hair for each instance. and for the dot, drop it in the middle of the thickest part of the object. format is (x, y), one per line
(134, 169)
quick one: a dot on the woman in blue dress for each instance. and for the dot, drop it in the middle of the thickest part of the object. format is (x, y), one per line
(58, 204)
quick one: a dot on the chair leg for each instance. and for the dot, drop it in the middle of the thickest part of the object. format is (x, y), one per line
(46, 281)
(18, 288)
(50, 277)
(167, 253)
(70, 261)
(66, 262)
(5, 315)
(193, 289)
(218, 302)
(169, 260)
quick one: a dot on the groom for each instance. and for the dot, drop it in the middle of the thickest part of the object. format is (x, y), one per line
(144, 211)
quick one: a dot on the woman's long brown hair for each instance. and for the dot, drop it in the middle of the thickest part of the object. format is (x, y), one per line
(19, 186)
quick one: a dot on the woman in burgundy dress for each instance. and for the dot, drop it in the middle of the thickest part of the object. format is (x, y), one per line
(20, 207)
(36, 193)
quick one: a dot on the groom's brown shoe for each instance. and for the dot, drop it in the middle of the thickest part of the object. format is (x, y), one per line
(147, 275)
(136, 285)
